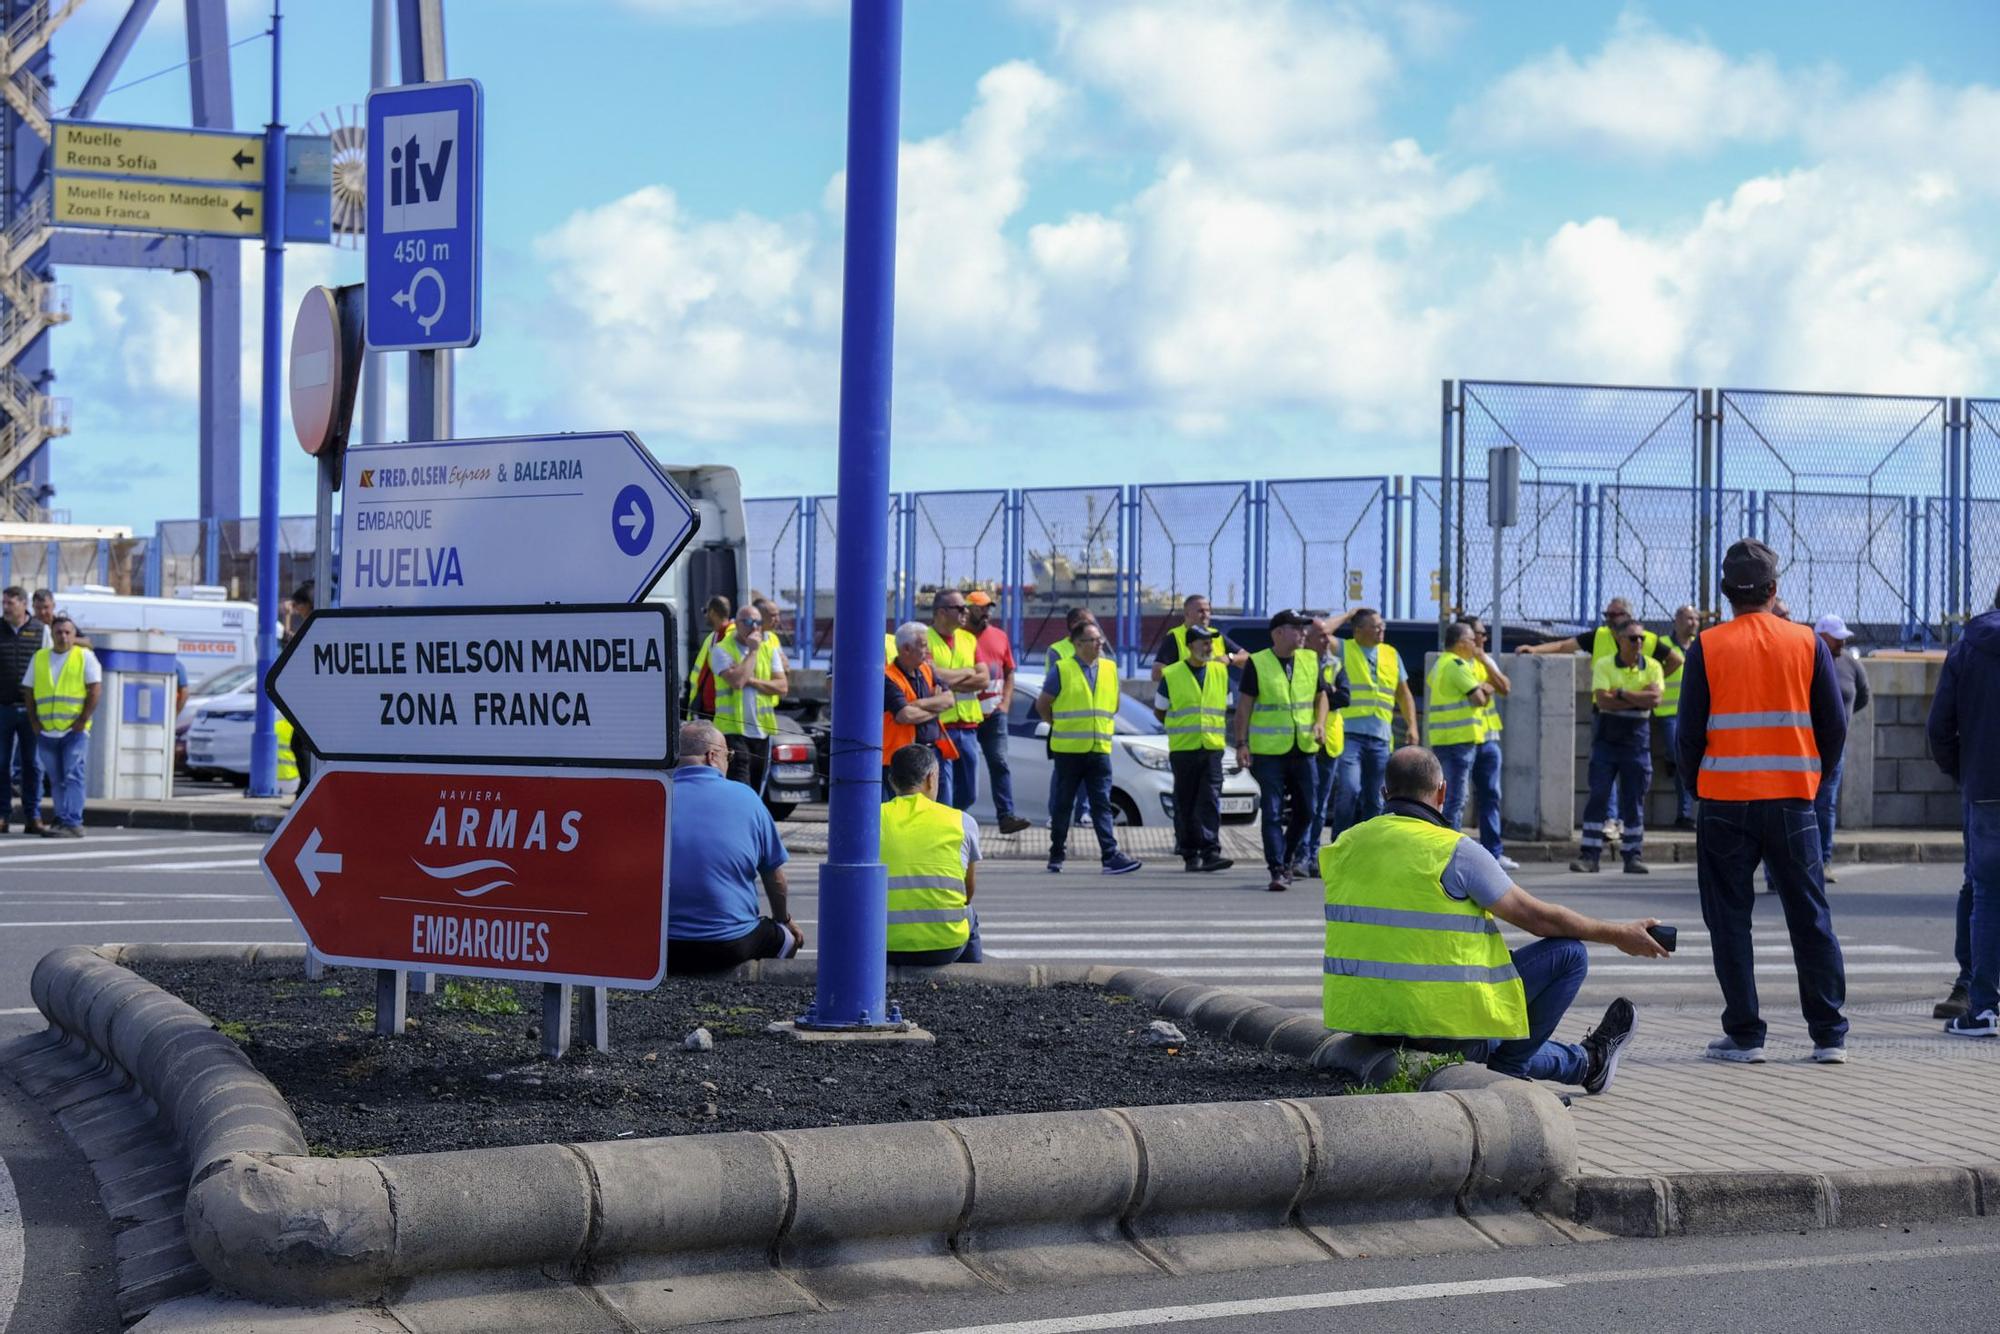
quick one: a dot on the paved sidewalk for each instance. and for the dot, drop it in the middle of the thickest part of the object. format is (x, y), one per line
(1908, 1096)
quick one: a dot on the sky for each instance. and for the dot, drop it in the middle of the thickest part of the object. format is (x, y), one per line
(1138, 240)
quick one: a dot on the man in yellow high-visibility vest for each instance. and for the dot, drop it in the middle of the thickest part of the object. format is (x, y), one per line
(929, 850)
(1487, 762)
(1193, 702)
(61, 690)
(1455, 708)
(1079, 701)
(1281, 710)
(954, 657)
(750, 679)
(1380, 686)
(1687, 624)
(1414, 952)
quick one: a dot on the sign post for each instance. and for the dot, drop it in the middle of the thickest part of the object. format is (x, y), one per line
(1503, 511)
(263, 738)
(854, 924)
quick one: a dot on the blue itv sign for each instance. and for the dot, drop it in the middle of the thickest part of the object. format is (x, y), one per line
(425, 143)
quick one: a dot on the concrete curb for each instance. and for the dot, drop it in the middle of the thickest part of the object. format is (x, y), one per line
(670, 1231)
(1688, 1204)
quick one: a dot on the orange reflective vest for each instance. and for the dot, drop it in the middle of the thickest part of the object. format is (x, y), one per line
(1759, 745)
(897, 735)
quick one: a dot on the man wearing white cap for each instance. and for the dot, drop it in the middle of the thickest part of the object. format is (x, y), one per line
(1854, 694)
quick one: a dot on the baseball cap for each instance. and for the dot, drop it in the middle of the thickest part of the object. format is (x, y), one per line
(978, 598)
(1749, 565)
(1290, 616)
(1833, 628)
(1203, 632)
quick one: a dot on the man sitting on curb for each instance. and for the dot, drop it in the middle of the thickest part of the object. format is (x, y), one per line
(723, 842)
(929, 849)
(1414, 954)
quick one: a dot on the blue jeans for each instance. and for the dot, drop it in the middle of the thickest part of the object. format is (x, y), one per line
(1670, 729)
(1982, 869)
(63, 758)
(963, 771)
(1486, 795)
(1456, 761)
(1326, 780)
(17, 738)
(1961, 940)
(1826, 808)
(993, 744)
(1731, 837)
(1362, 762)
(1629, 766)
(1285, 793)
(1080, 774)
(1552, 971)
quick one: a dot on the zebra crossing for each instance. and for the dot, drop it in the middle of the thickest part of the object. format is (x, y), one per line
(1269, 946)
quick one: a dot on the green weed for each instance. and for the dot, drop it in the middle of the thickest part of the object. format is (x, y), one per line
(479, 997)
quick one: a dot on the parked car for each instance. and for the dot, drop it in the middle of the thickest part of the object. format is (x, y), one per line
(796, 774)
(216, 738)
(228, 681)
(1142, 786)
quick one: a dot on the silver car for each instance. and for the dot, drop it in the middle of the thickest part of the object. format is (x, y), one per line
(1142, 786)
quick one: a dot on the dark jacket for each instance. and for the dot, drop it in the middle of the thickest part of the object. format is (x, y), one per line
(1964, 727)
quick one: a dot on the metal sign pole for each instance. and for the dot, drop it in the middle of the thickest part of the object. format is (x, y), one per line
(263, 736)
(853, 918)
(375, 365)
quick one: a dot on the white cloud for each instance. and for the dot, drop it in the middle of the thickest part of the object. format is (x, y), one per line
(1644, 91)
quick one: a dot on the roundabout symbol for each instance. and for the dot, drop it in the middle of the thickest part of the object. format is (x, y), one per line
(407, 298)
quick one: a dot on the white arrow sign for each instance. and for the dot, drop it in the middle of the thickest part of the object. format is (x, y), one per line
(312, 863)
(519, 685)
(523, 519)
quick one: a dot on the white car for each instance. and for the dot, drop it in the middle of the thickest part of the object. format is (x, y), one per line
(1142, 786)
(217, 732)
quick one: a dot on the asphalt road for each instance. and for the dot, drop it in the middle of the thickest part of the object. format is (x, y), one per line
(1869, 1281)
(1895, 922)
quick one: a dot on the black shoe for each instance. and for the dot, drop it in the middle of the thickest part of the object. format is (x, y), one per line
(1952, 1006)
(1191, 864)
(1633, 866)
(1280, 882)
(1606, 1043)
(1012, 824)
(1215, 861)
(1586, 864)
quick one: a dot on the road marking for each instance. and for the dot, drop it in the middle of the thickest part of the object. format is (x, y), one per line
(1306, 1301)
(120, 852)
(1313, 1301)
(21, 1009)
(186, 866)
(16, 848)
(13, 1246)
(153, 921)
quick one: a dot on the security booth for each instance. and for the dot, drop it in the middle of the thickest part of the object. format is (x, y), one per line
(132, 733)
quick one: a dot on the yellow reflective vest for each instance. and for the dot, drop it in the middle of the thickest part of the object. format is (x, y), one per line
(1336, 725)
(1281, 718)
(1081, 719)
(1402, 956)
(1489, 716)
(1450, 716)
(1670, 693)
(958, 656)
(288, 763)
(1197, 710)
(923, 848)
(59, 699)
(1372, 690)
(729, 699)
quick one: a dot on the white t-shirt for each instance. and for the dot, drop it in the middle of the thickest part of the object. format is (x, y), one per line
(92, 674)
(968, 850)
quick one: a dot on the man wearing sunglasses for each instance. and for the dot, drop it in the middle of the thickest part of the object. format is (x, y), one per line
(1625, 688)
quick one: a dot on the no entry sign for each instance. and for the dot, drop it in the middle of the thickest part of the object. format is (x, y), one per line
(545, 874)
(527, 685)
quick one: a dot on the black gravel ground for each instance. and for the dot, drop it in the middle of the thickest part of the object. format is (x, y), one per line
(468, 1076)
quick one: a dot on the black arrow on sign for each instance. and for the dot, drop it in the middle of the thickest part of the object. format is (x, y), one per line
(242, 161)
(243, 211)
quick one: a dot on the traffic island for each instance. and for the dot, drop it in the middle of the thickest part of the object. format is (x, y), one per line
(651, 1232)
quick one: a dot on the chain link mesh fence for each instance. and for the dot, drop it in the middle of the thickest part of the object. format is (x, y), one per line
(1648, 549)
(817, 629)
(1574, 440)
(1979, 542)
(1071, 541)
(775, 549)
(1326, 544)
(1193, 537)
(180, 544)
(958, 539)
(1836, 473)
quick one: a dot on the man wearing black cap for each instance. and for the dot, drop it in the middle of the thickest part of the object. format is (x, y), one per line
(1193, 702)
(1281, 704)
(1761, 718)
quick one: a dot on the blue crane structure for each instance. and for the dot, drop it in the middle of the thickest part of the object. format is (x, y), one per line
(30, 246)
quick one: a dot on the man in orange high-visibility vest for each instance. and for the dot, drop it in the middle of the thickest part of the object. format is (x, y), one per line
(1760, 719)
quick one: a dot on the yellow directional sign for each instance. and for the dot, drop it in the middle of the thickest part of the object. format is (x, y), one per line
(157, 154)
(143, 206)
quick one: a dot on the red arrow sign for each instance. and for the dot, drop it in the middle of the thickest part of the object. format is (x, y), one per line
(556, 875)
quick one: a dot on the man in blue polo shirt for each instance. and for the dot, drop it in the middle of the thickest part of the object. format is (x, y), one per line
(723, 843)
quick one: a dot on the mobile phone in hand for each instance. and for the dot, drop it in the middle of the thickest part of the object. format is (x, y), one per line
(1664, 936)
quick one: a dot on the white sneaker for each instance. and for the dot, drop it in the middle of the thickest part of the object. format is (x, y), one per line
(1725, 1048)
(1507, 863)
(1830, 1055)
